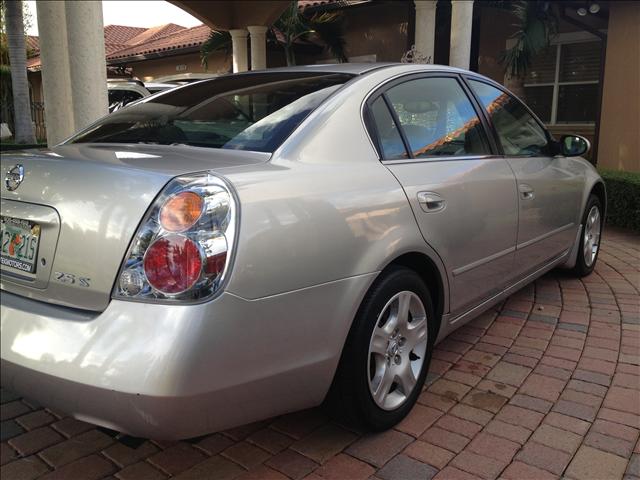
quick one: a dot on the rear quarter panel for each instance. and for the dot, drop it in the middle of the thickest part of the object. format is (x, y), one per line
(324, 208)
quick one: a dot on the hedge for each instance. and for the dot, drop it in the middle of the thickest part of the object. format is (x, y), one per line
(623, 198)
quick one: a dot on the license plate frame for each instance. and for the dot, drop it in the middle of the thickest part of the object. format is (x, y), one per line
(26, 260)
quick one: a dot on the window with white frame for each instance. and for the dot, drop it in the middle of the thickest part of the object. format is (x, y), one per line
(561, 86)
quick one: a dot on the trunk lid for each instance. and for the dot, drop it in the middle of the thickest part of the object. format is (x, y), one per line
(87, 201)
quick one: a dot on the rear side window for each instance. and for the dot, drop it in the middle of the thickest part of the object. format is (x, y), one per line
(519, 132)
(243, 112)
(437, 118)
(389, 139)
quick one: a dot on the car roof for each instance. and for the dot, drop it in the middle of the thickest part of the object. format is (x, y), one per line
(357, 68)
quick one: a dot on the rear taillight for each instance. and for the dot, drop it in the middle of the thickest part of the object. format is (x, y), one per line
(182, 248)
(172, 264)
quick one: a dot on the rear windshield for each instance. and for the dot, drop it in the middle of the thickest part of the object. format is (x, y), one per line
(244, 112)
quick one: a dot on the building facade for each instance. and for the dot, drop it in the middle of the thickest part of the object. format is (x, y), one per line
(586, 82)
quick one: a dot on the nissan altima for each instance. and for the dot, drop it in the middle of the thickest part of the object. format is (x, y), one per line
(260, 243)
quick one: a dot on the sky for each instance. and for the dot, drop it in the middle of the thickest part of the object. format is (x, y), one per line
(145, 13)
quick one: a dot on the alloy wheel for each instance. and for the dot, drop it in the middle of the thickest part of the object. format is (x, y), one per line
(397, 350)
(591, 241)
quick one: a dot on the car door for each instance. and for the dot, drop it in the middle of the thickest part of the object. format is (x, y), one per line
(463, 196)
(549, 187)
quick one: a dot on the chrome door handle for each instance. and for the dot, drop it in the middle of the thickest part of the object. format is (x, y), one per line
(526, 191)
(430, 202)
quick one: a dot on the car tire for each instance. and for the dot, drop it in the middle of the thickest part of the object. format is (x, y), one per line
(367, 361)
(590, 235)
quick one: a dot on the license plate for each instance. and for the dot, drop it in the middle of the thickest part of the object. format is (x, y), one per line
(20, 239)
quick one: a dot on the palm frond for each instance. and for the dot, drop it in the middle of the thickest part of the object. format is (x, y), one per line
(291, 23)
(536, 25)
(329, 27)
(217, 42)
(286, 30)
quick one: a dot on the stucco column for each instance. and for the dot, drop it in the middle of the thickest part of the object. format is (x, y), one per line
(461, 23)
(87, 64)
(425, 27)
(239, 46)
(258, 37)
(56, 82)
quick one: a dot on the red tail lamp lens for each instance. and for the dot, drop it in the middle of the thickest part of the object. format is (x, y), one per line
(181, 211)
(172, 264)
(215, 265)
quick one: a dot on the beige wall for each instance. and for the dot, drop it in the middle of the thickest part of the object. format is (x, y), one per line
(148, 70)
(619, 147)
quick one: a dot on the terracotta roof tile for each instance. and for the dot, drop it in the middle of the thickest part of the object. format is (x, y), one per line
(110, 48)
(33, 43)
(154, 33)
(123, 42)
(188, 37)
(33, 63)
(120, 34)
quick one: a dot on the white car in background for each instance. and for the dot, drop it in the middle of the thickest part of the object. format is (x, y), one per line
(123, 92)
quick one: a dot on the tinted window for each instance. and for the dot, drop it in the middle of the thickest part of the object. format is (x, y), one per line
(518, 131)
(437, 118)
(577, 103)
(389, 138)
(245, 112)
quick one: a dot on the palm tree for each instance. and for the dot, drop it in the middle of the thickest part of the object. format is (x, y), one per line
(536, 24)
(289, 28)
(218, 41)
(18, 59)
(293, 26)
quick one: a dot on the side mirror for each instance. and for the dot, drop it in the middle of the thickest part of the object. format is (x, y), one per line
(574, 145)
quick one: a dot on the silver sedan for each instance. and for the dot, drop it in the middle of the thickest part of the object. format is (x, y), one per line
(260, 243)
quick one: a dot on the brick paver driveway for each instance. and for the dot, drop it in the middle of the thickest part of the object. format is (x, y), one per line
(546, 385)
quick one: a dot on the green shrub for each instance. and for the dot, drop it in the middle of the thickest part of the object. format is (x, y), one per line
(623, 198)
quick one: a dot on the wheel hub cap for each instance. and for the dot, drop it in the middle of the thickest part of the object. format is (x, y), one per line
(397, 350)
(393, 351)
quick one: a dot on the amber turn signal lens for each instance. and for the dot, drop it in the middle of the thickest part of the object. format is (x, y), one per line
(181, 211)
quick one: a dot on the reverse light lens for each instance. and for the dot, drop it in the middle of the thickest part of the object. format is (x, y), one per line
(131, 282)
(172, 264)
(180, 212)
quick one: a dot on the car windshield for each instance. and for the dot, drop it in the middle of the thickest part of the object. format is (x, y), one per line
(244, 112)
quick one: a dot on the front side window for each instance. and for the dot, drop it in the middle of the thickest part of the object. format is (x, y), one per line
(518, 131)
(246, 112)
(437, 118)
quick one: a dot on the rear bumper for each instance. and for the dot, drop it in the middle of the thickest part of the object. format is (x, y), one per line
(171, 372)
(150, 416)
